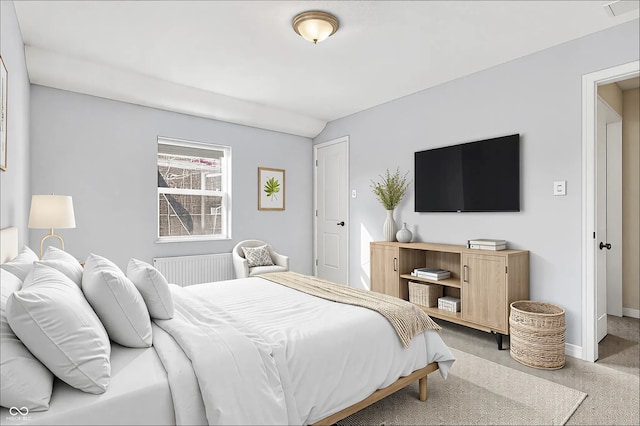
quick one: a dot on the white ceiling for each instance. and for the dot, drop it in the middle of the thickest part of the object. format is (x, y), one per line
(240, 61)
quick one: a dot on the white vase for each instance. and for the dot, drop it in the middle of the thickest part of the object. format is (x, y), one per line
(389, 228)
(404, 235)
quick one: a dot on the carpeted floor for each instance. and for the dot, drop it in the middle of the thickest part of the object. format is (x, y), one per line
(620, 349)
(477, 392)
(612, 384)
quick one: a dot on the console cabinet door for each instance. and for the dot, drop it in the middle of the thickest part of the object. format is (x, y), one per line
(484, 291)
(385, 273)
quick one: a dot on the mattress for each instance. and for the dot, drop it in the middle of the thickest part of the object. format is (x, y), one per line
(329, 366)
(137, 394)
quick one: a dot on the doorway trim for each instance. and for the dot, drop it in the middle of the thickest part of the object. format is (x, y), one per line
(590, 83)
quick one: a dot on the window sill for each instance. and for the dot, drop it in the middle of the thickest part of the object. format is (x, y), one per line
(191, 239)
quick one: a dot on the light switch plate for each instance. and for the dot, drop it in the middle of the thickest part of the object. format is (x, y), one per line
(560, 187)
(354, 194)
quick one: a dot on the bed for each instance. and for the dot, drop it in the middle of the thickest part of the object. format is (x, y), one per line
(248, 351)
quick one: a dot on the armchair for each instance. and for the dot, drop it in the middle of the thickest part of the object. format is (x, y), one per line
(241, 264)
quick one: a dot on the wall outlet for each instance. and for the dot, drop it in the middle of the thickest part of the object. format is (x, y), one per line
(560, 187)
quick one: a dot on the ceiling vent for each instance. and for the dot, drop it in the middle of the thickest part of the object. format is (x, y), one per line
(619, 7)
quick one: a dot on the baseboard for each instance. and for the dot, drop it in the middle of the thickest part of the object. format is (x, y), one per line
(573, 351)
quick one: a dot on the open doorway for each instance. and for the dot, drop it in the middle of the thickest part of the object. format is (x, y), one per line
(592, 298)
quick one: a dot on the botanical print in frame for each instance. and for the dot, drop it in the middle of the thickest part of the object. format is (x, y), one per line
(4, 85)
(270, 189)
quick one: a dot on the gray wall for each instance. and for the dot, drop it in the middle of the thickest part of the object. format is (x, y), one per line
(15, 197)
(103, 153)
(538, 96)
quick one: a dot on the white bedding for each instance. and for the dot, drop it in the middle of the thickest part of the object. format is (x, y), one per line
(302, 361)
(138, 394)
(246, 351)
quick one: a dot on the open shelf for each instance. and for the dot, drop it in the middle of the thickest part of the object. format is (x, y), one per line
(449, 282)
(441, 313)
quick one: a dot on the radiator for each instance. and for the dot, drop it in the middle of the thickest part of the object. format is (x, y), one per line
(188, 270)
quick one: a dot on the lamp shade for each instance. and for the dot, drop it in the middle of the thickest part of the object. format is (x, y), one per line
(315, 26)
(51, 211)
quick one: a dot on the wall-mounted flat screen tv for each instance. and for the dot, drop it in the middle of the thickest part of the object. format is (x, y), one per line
(482, 176)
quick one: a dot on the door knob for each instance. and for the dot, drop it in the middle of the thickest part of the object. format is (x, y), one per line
(603, 245)
(340, 223)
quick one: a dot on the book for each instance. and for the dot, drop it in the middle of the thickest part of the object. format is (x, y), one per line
(487, 247)
(432, 277)
(431, 270)
(431, 273)
(486, 242)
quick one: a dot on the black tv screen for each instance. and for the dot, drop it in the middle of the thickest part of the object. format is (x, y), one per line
(482, 176)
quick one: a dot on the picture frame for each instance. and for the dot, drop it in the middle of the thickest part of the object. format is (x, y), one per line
(271, 189)
(4, 86)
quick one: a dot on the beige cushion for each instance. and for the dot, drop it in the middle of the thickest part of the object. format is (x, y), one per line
(153, 287)
(54, 321)
(117, 302)
(257, 256)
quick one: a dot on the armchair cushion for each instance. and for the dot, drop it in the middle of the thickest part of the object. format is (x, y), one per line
(257, 256)
(257, 270)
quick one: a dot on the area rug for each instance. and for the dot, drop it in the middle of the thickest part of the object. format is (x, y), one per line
(477, 392)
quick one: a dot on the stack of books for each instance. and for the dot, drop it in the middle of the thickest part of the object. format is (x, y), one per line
(431, 273)
(447, 303)
(485, 244)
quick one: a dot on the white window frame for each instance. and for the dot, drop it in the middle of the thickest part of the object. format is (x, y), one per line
(225, 193)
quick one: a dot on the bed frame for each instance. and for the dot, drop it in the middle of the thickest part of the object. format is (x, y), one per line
(9, 250)
(402, 382)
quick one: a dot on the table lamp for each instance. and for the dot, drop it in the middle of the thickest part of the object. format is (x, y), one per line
(49, 212)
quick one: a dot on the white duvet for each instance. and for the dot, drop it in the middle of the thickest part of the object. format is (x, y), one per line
(262, 353)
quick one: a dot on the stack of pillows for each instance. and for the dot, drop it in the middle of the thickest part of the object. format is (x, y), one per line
(57, 319)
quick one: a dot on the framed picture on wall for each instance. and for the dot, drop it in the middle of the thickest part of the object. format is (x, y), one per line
(4, 85)
(270, 189)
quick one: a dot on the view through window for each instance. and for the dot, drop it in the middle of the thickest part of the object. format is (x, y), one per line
(193, 190)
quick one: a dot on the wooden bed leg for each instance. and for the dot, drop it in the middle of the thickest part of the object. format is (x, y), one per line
(402, 382)
(422, 383)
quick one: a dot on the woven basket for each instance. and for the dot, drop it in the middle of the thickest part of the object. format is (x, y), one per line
(424, 294)
(537, 334)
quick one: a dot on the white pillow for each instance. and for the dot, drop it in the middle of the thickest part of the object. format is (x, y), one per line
(63, 262)
(54, 321)
(69, 270)
(257, 256)
(153, 287)
(24, 381)
(21, 265)
(117, 302)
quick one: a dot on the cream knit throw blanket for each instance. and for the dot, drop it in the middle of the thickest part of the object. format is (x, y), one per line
(407, 319)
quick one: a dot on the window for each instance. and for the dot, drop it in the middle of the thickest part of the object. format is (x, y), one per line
(194, 191)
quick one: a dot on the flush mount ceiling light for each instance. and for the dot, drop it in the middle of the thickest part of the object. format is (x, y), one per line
(314, 25)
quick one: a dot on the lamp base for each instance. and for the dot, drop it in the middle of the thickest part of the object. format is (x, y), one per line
(51, 234)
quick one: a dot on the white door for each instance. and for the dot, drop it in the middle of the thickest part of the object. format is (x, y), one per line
(605, 116)
(590, 83)
(332, 210)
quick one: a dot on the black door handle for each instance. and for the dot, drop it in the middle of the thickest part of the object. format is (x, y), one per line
(603, 245)
(340, 223)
